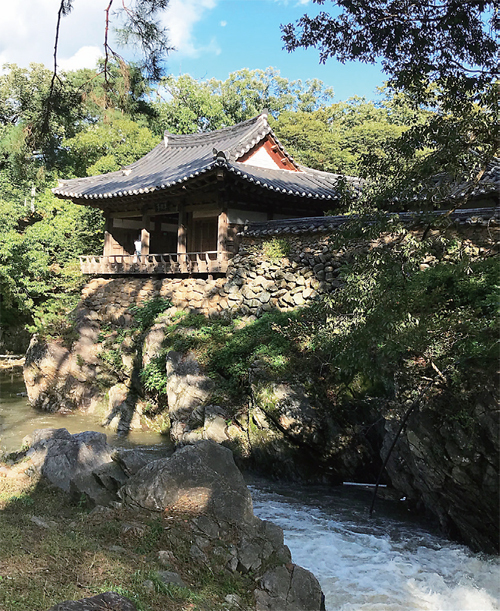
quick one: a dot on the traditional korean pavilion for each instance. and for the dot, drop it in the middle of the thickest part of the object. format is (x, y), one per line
(179, 208)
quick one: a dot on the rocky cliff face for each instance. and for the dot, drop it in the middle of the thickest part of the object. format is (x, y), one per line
(443, 463)
(449, 466)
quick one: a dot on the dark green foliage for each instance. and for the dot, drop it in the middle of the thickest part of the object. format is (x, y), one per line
(196, 106)
(450, 41)
(443, 56)
(107, 146)
(39, 268)
(42, 236)
(145, 315)
(154, 378)
(409, 308)
(226, 350)
(336, 138)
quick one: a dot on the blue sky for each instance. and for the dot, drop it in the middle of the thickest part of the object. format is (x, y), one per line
(246, 34)
(212, 38)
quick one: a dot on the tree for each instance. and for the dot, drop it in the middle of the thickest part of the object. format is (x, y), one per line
(448, 42)
(107, 146)
(140, 27)
(43, 236)
(193, 106)
(338, 137)
(442, 54)
(24, 144)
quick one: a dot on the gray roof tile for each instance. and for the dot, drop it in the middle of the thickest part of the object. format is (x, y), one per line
(180, 158)
(322, 224)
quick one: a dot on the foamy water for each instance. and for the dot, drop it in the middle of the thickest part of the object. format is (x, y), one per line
(386, 563)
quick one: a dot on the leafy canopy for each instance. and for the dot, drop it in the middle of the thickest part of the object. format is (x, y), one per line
(191, 106)
(442, 55)
(449, 42)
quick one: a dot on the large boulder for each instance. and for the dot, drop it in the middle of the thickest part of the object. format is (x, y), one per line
(202, 481)
(124, 413)
(290, 409)
(59, 379)
(199, 479)
(289, 588)
(188, 390)
(109, 601)
(81, 464)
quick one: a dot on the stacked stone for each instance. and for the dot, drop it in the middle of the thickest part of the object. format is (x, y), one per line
(256, 285)
(253, 284)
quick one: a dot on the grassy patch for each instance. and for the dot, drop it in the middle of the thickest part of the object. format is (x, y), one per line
(77, 554)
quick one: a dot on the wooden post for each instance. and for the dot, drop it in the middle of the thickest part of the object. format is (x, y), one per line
(145, 235)
(108, 237)
(181, 231)
(222, 232)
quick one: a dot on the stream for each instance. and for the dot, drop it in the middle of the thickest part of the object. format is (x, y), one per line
(391, 562)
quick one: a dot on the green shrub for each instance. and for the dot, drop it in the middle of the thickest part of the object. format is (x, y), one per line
(146, 314)
(276, 249)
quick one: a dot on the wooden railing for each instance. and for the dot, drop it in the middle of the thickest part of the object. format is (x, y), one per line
(170, 263)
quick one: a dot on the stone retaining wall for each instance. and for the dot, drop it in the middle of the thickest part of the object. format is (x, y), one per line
(268, 273)
(255, 283)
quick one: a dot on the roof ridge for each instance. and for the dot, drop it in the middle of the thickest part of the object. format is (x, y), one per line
(216, 132)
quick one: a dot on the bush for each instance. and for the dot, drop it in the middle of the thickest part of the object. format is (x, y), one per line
(146, 314)
(276, 249)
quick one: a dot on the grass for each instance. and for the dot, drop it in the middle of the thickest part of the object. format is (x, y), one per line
(79, 554)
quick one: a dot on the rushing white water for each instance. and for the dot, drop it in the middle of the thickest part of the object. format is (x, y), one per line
(385, 563)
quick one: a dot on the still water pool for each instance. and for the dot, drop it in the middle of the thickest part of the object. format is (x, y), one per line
(18, 419)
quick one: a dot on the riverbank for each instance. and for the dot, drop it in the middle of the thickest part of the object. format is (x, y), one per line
(174, 532)
(54, 550)
(13, 363)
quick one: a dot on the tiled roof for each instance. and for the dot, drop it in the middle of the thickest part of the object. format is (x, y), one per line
(489, 183)
(324, 224)
(180, 158)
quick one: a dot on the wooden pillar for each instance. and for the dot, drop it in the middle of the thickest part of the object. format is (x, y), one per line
(108, 237)
(182, 230)
(145, 234)
(222, 232)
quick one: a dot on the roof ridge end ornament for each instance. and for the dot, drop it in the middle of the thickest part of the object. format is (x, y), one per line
(165, 139)
(219, 156)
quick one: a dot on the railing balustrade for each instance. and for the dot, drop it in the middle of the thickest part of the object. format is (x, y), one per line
(207, 262)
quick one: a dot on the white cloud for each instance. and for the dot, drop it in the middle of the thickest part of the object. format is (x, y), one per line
(27, 31)
(180, 19)
(85, 57)
(294, 2)
(223, 24)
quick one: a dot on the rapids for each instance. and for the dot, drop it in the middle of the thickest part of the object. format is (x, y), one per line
(391, 562)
